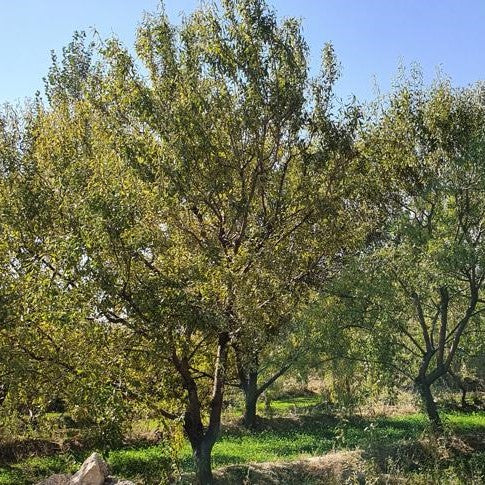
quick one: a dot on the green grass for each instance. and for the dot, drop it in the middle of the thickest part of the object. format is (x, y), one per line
(33, 469)
(316, 435)
(151, 461)
(278, 406)
(283, 437)
(466, 422)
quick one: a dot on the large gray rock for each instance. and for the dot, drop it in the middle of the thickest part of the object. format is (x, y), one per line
(92, 472)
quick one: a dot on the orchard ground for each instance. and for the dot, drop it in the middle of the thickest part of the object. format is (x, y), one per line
(298, 440)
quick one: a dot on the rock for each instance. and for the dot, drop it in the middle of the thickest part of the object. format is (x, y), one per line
(56, 480)
(92, 472)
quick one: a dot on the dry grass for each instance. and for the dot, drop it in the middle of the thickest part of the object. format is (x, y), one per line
(332, 468)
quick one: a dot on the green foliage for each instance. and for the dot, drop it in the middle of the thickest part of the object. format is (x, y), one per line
(171, 212)
(167, 228)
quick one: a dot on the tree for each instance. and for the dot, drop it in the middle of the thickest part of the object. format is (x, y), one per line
(412, 296)
(194, 208)
(50, 347)
(270, 201)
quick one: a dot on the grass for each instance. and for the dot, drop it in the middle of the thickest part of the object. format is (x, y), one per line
(283, 437)
(148, 462)
(289, 439)
(33, 469)
(291, 404)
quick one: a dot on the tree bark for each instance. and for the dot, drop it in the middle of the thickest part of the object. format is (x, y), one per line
(251, 395)
(202, 439)
(424, 390)
(251, 390)
(202, 462)
(248, 374)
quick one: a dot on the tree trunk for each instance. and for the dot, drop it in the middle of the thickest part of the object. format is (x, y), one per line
(251, 395)
(202, 438)
(248, 374)
(424, 390)
(202, 461)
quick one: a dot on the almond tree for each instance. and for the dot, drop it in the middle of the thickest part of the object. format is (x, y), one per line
(261, 167)
(194, 203)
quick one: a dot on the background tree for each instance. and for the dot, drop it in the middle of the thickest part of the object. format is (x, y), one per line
(467, 372)
(410, 299)
(51, 348)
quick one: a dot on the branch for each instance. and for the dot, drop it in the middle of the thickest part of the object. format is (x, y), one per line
(374, 361)
(168, 415)
(272, 379)
(460, 328)
(445, 298)
(422, 321)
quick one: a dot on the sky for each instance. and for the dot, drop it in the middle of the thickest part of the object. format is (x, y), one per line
(372, 38)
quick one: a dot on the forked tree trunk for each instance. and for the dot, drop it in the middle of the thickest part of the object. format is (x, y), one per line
(202, 462)
(443, 349)
(201, 442)
(248, 382)
(202, 438)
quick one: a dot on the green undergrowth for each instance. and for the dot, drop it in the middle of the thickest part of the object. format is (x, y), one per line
(283, 437)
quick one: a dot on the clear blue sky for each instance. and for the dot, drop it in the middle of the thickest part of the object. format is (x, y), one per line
(371, 37)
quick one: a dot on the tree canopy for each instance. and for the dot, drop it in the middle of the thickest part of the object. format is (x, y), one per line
(176, 218)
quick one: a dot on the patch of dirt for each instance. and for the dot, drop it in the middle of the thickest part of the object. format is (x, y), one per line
(330, 469)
